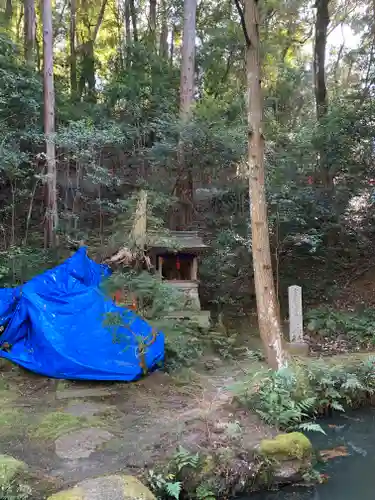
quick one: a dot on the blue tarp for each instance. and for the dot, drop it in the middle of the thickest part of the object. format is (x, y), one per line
(55, 325)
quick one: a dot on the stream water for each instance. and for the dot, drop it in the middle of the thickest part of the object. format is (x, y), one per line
(351, 477)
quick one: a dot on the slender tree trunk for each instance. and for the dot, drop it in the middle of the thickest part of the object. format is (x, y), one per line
(171, 53)
(184, 183)
(133, 15)
(163, 46)
(29, 30)
(267, 304)
(321, 28)
(152, 21)
(8, 14)
(128, 37)
(321, 98)
(51, 219)
(87, 53)
(73, 52)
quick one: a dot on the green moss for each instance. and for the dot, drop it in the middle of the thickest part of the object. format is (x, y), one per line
(9, 468)
(73, 494)
(134, 489)
(294, 445)
(57, 423)
(12, 421)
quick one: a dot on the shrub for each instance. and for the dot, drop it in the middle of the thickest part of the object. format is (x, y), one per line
(293, 398)
(354, 326)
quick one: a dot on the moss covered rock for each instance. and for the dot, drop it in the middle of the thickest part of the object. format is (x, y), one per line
(290, 457)
(294, 445)
(73, 494)
(116, 487)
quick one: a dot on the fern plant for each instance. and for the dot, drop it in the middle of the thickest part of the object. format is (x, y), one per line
(183, 458)
(164, 486)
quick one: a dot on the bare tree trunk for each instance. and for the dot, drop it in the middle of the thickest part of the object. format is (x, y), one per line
(133, 15)
(8, 14)
(51, 219)
(163, 47)
(321, 99)
(73, 52)
(184, 182)
(267, 305)
(152, 21)
(171, 54)
(128, 39)
(29, 30)
(321, 28)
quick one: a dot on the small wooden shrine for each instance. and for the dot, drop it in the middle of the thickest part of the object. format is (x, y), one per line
(179, 267)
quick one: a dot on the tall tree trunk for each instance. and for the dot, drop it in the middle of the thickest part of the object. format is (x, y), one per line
(51, 219)
(163, 46)
(152, 21)
(87, 53)
(171, 53)
(321, 98)
(73, 52)
(133, 15)
(184, 182)
(321, 28)
(128, 39)
(8, 14)
(29, 30)
(267, 304)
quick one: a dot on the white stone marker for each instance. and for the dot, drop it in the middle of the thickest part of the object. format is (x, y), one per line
(295, 314)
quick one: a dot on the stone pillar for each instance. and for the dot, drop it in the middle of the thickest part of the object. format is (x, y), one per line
(194, 269)
(296, 320)
(160, 266)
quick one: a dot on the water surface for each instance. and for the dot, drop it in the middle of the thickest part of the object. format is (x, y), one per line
(351, 477)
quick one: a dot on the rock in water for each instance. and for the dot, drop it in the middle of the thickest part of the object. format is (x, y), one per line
(115, 487)
(292, 454)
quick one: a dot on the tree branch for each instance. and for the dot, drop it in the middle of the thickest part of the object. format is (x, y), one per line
(243, 23)
(99, 21)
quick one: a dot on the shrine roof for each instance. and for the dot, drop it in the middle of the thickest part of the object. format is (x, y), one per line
(180, 240)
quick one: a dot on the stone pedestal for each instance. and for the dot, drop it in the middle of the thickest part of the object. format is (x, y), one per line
(190, 292)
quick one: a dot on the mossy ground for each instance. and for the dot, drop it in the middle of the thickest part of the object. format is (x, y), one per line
(55, 424)
(149, 420)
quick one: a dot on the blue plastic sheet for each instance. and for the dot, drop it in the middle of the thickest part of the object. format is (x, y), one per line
(60, 324)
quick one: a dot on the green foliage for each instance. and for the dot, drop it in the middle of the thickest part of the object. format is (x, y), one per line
(293, 398)
(183, 342)
(274, 400)
(164, 487)
(329, 322)
(15, 491)
(170, 485)
(183, 458)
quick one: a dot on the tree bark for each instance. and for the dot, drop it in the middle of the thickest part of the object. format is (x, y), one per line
(321, 98)
(152, 21)
(321, 28)
(267, 304)
(163, 46)
(128, 38)
(184, 182)
(133, 15)
(29, 31)
(8, 14)
(51, 219)
(73, 52)
(171, 53)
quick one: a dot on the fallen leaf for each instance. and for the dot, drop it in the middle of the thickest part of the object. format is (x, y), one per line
(340, 451)
(323, 478)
